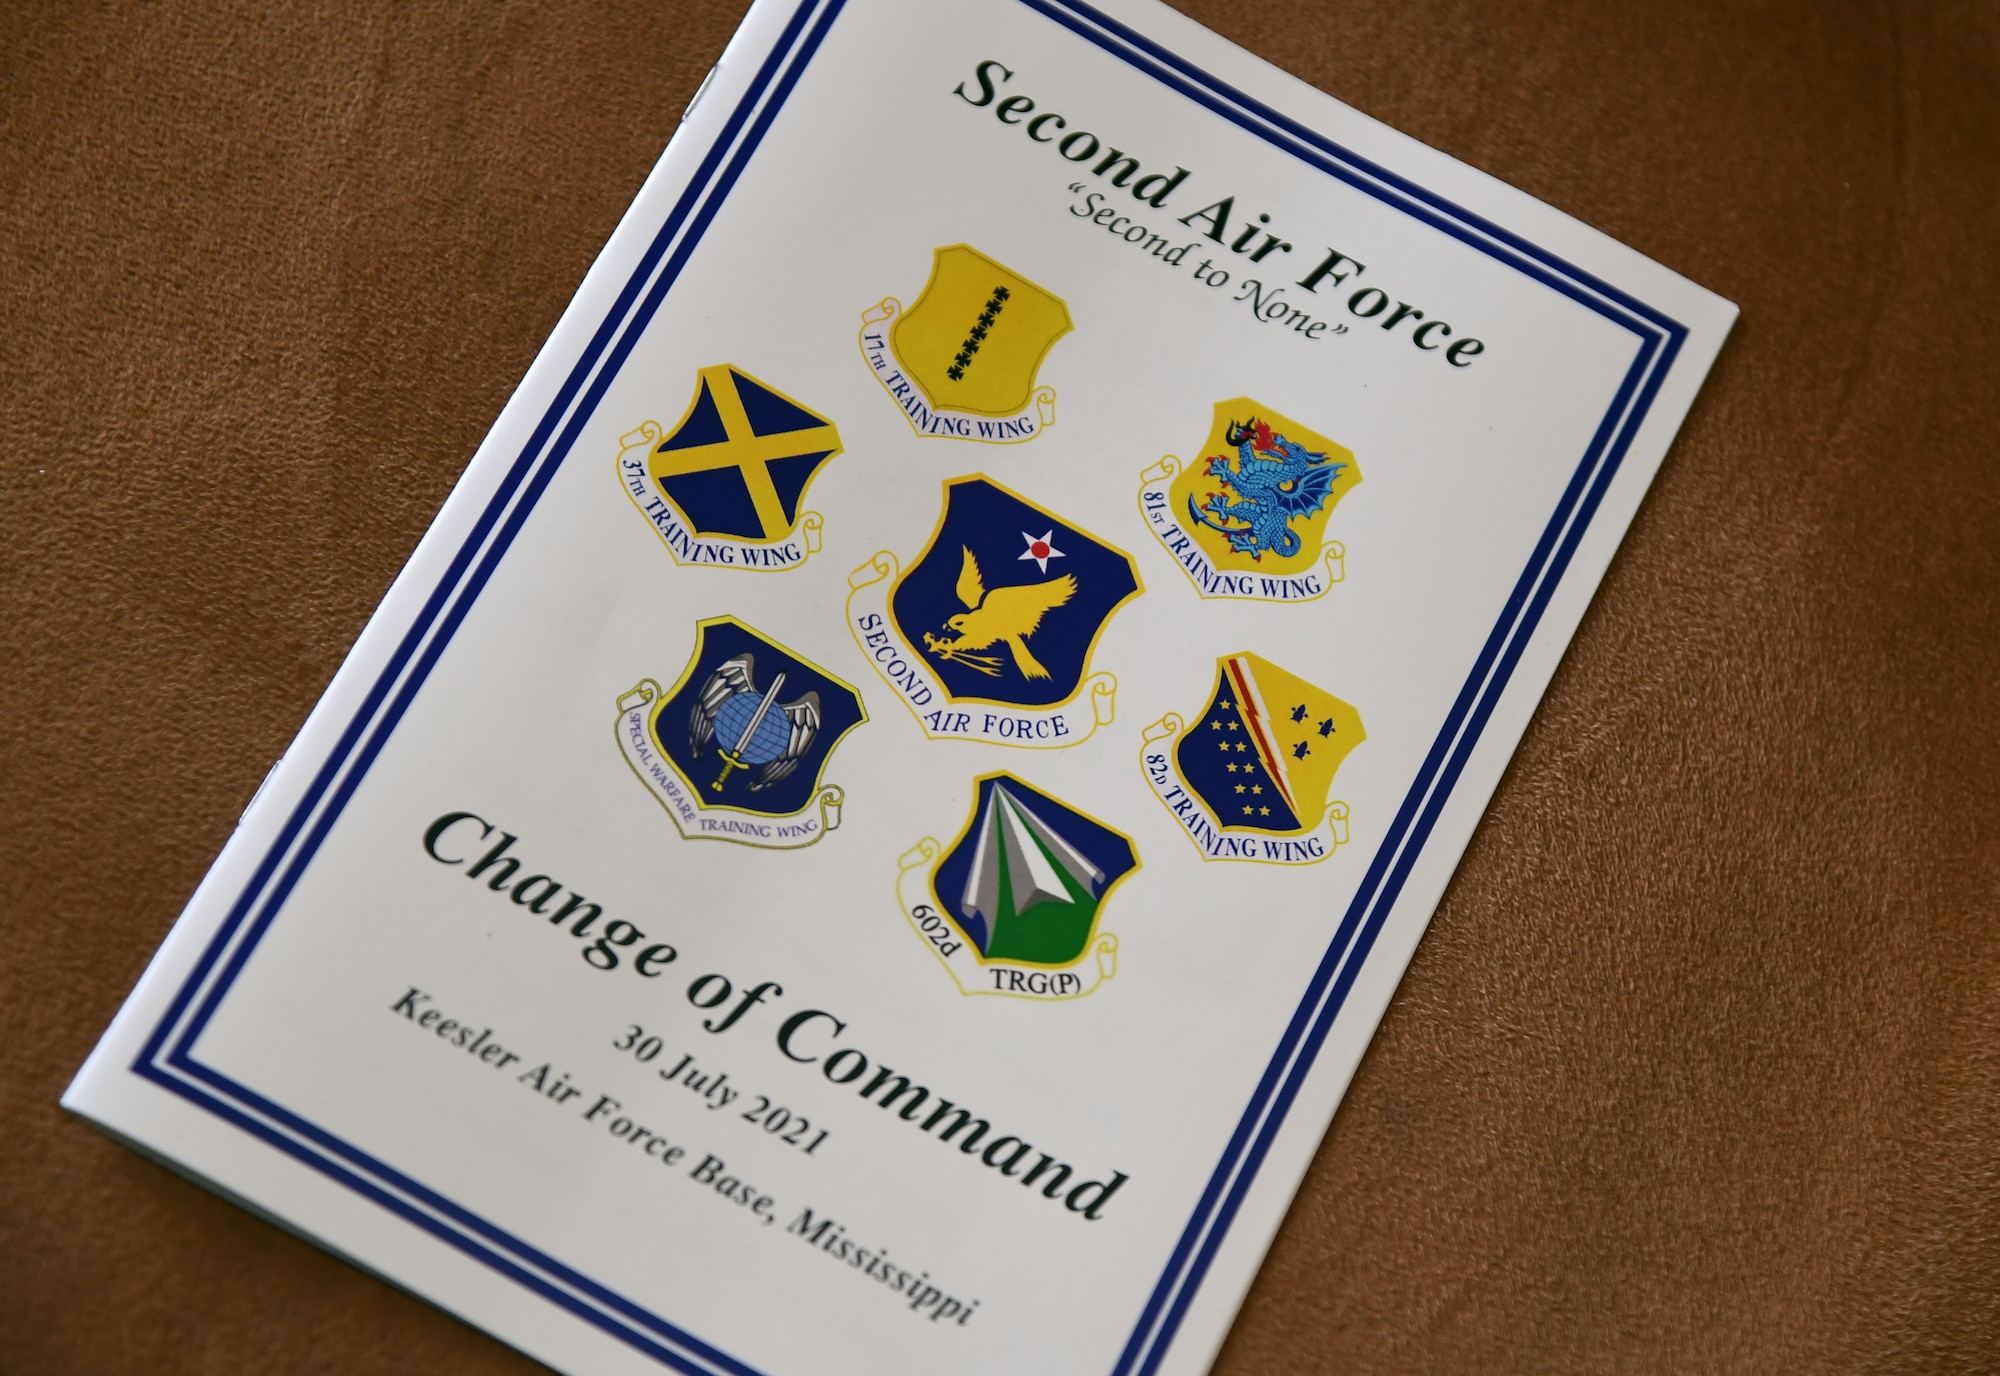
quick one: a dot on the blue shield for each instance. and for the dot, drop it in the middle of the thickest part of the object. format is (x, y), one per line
(1007, 601)
(740, 460)
(1027, 877)
(750, 724)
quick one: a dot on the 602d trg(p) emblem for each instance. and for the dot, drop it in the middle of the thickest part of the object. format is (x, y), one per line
(962, 362)
(988, 636)
(1248, 520)
(726, 488)
(1248, 779)
(1013, 906)
(736, 751)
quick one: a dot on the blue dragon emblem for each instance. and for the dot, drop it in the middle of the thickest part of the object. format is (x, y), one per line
(1275, 482)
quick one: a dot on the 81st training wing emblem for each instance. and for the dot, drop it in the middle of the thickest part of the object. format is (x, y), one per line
(962, 362)
(1012, 907)
(988, 635)
(1248, 520)
(736, 751)
(725, 488)
(1248, 779)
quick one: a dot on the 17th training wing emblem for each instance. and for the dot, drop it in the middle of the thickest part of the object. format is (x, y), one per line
(962, 362)
(726, 488)
(737, 750)
(988, 636)
(1013, 905)
(1248, 520)
(1249, 778)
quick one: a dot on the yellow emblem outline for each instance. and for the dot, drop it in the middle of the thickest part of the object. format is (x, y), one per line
(820, 789)
(1083, 676)
(1034, 370)
(651, 434)
(1167, 733)
(1090, 942)
(1328, 560)
(1305, 828)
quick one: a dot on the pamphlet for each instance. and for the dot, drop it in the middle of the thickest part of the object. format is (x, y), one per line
(874, 829)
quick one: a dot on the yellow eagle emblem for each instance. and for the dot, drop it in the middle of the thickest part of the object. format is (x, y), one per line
(1002, 615)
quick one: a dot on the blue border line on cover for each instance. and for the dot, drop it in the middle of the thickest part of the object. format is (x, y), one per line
(493, 533)
(1355, 937)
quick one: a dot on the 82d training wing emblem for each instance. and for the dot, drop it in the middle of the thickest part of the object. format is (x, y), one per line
(1248, 779)
(736, 751)
(725, 488)
(988, 635)
(1013, 906)
(1249, 519)
(961, 362)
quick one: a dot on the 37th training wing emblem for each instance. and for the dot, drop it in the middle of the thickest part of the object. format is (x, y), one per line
(988, 636)
(725, 489)
(736, 751)
(962, 362)
(1248, 520)
(1248, 779)
(1013, 906)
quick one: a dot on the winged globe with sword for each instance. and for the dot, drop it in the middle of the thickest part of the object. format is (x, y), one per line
(731, 709)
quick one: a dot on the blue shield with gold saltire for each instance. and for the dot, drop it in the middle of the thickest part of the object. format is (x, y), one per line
(1263, 755)
(751, 723)
(1027, 878)
(1008, 600)
(739, 462)
(975, 339)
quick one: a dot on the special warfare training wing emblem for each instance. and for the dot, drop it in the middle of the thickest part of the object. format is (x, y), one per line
(725, 488)
(1013, 906)
(735, 752)
(962, 361)
(1249, 519)
(988, 635)
(1249, 778)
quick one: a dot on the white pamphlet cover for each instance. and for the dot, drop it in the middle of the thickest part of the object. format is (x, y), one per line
(873, 830)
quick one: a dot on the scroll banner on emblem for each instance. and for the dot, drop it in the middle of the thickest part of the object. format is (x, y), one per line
(696, 819)
(726, 489)
(692, 549)
(1183, 545)
(904, 670)
(928, 419)
(1206, 830)
(962, 362)
(974, 976)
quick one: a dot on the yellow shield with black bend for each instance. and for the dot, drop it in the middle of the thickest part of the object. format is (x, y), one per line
(739, 462)
(977, 336)
(1261, 493)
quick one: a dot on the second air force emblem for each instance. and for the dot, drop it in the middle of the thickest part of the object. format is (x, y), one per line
(726, 489)
(1248, 519)
(1013, 906)
(1249, 778)
(988, 636)
(737, 750)
(962, 362)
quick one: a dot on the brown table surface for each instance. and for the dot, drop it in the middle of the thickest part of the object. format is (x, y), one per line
(1699, 1066)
